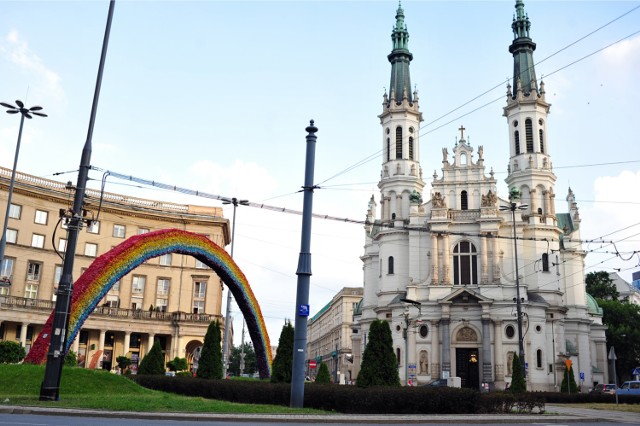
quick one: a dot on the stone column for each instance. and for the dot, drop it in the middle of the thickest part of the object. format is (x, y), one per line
(446, 346)
(150, 342)
(495, 259)
(434, 259)
(435, 350)
(127, 342)
(484, 276)
(103, 333)
(76, 344)
(446, 260)
(497, 351)
(533, 207)
(411, 343)
(23, 334)
(486, 351)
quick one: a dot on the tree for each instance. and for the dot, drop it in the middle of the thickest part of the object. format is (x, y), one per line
(123, 362)
(518, 383)
(153, 363)
(572, 381)
(283, 362)
(623, 333)
(249, 359)
(323, 376)
(210, 363)
(11, 352)
(379, 364)
(178, 364)
(71, 359)
(601, 286)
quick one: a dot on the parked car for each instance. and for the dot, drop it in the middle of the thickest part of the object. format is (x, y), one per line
(436, 383)
(605, 388)
(631, 387)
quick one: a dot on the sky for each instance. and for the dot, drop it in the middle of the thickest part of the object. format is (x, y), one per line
(215, 96)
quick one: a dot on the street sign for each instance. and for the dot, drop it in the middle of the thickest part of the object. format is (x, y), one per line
(303, 310)
(636, 371)
(312, 364)
(582, 375)
(612, 354)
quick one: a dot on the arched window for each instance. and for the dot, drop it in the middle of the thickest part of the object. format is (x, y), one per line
(390, 266)
(545, 262)
(398, 143)
(465, 264)
(410, 148)
(539, 358)
(397, 356)
(541, 134)
(528, 128)
(464, 201)
(388, 149)
(516, 137)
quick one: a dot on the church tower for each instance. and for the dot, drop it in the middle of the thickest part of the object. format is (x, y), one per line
(401, 175)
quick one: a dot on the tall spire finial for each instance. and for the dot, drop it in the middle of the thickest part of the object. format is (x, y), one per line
(400, 57)
(522, 49)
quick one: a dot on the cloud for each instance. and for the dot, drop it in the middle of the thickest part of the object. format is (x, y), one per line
(17, 51)
(620, 62)
(240, 179)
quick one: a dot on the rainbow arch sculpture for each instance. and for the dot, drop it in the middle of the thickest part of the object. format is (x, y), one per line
(107, 269)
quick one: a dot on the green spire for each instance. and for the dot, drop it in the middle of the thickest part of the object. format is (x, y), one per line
(522, 50)
(400, 57)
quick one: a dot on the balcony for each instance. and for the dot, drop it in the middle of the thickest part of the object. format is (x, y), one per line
(46, 306)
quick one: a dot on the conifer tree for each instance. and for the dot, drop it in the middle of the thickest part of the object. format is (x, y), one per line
(210, 363)
(572, 381)
(283, 363)
(323, 376)
(518, 383)
(379, 363)
(153, 363)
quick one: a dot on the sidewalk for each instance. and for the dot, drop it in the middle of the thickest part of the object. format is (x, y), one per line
(555, 414)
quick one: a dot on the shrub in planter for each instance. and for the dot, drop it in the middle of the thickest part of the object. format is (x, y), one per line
(11, 352)
(323, 376)
(153, 363)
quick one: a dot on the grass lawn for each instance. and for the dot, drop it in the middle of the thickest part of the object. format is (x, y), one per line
(629, 408)
(99, 389)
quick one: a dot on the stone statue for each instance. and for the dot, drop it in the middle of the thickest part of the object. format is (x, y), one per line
(480, 152)
(510, 363)
(437, 200)
(415, 197)
(424, 362)
(489, 200)
(445, 155)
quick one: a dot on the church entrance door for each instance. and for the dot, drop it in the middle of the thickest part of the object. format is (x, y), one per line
(467, 369)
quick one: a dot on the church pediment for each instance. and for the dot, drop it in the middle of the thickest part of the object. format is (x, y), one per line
(466, 296)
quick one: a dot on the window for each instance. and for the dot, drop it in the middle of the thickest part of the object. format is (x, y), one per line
(33, 271)
(161, 305)
(119, 231)
(62, 245)
(165, 259)
(516, 138)
(528, 128)
(31, 291)
(398, 143)
(545, 262)
(465, 264)
(90, 249)
(163, 285)
(37, 240)
(136, 303)
(15, 211)
(93, 227)
(57, 275)
(424, 331)
(41, 217)
(411, 148)
(198, 306)
(138, 284)
(388, 149)
(510, 331)
(541, 134)
(200, 265)
(539, 358)
(116, 287)
(11, 236)
(398, 355)
(7, 267)
(199, 289)
(390, 266)
(143, 231)
(464, 201)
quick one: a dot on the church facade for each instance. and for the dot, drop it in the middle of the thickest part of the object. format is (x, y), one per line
(444, 265)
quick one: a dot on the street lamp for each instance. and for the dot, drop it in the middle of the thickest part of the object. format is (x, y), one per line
(225, 347)
(513, 207)
(405, 335)
(24, 112)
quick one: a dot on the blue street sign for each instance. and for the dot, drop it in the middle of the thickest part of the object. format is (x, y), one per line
(303, 310)
(526, 365)
(636, 371)
(582, 375)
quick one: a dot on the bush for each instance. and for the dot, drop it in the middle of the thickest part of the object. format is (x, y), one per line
(178, 364)
(153, 363)
(379, 364)
(283, 363)
(11, 352)
(71, 359)
(323, 376)
(517, 380)
(123, 362)
(572, 381)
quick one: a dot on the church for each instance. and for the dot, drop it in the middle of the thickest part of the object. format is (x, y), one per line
(467, 277)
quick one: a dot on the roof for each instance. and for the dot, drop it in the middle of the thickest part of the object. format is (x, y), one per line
(592, 306)
(324, 309)
(565, 223)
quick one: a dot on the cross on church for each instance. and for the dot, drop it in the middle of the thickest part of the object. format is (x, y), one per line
(462, 129)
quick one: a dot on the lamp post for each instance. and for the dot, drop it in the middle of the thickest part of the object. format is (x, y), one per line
(513, 207)
(405, 335)
(24, 112)
(225, 346)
